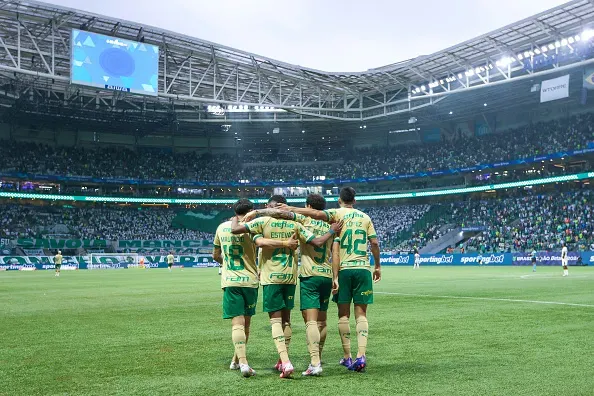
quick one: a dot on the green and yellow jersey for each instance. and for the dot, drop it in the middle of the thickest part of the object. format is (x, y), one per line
(170, 259)
(315, 261)
(239, 258)
(58, 259)
(278, 266)
(357, 230)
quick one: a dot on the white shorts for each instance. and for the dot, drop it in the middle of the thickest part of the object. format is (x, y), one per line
(564, 262)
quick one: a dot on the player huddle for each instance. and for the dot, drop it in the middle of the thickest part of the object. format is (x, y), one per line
(334, 261)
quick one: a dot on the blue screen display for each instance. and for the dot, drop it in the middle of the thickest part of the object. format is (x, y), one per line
(114, 63)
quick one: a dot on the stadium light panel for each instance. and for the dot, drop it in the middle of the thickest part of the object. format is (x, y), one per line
(537, 51)
(564, 42)
(460, 75)
(557, 44)
(520, 57)
(423, 88)
(577, 37)
(551, 46)
(587, 34)
(544, 49)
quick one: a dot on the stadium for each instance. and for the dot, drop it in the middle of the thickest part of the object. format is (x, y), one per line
(125, 150)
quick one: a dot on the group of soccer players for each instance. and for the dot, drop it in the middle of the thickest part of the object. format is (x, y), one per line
(334, 261)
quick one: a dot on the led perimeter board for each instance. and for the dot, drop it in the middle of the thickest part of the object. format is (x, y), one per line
(113, 63)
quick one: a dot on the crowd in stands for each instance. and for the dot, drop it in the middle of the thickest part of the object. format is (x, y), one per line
(535, 139)
(20, 221)
(389, 221)
(526, 223)
(516, 223)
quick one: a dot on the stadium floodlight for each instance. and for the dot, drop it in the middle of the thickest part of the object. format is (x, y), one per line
(577, 37)
(537, 51)
(551, 46)
(570, 40)
(557, 44)
(587, 34)
(544, 49)
(460, 75)
(564, 42)
(423, 88)
(520, 57)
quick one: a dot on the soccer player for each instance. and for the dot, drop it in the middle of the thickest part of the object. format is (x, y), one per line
(237, 256)
(279, 271)
(170, 260)
(58, 262)
(352, 278)
(141, 262)
(417, 260)
(533, 258)
(564, 259)
(315, 275)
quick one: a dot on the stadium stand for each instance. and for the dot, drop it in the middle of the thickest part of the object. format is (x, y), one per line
(531, 222)
(20, 221)
(462, 151)
(515, 223)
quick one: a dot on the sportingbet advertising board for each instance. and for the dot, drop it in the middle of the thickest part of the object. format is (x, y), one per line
(543, 258)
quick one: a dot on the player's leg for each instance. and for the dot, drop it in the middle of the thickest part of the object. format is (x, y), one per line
(533, 265)
(565, 268)
(234, 309)
(58, 266)
(169, 265)
(325, 290)
(343, 298)
(362, 296)
(310, 305)
(323, 328)
(274, 304)
(235, 359)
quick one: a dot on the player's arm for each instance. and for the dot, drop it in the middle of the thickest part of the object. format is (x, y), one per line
(291, 243)
(321, 240)
(270, 212)
(237, 227)
(375, 251)
(217, 254)
(335, 264)
(309, 212)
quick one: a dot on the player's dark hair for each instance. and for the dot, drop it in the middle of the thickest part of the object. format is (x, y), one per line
(347, 195)
(316, 201)
(279, 199)
(242, 206)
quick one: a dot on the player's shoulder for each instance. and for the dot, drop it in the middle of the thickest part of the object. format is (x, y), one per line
(361, 213)
(224, 225)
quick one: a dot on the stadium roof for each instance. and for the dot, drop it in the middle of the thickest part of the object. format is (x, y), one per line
(194, 73)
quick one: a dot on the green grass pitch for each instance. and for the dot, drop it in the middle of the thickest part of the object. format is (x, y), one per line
(151, 332)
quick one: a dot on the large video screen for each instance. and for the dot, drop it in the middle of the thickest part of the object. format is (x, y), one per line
(114, 63)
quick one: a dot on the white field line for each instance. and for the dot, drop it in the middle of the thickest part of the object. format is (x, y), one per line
(488, 299)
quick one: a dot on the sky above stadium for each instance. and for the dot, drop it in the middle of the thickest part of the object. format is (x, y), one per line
(329, 35)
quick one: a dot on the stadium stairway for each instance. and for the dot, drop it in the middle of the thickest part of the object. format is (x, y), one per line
(452, 238)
